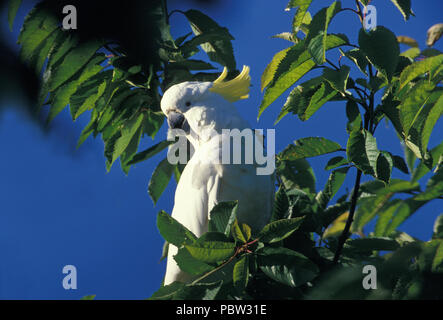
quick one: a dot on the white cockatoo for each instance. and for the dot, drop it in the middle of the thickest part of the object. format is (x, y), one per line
(202, 110)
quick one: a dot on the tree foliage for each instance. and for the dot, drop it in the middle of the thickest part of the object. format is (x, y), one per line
(313, 248)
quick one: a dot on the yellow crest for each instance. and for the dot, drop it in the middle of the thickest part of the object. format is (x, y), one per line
(235, 89)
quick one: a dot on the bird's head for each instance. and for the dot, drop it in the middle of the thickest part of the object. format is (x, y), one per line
(197, 106)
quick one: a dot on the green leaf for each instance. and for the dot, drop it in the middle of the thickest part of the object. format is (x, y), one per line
(376, 243)
(429, 123)
(431, 256)
(279, 230)
(291, 66)
(237, 233)
(428, 65)
(338, 79)
(281, 205)
(173, 231)
(336, 162)
(222, 216)
(302, 11)
(211, 251)
(384, 166)
(354, 117)
(286, 266)
(75, 60)
(362, 151)
(438, 228)
(63, 95)
(150, 152)
(81, 101)
(297, 174)
(369, 207)
(240, 274)
(189, 264)
(358, 57)
(309, 147)
(334, 183)
(320, 21)
(271, 68)
(385, 215)
(400, 164)
(305, 99)
(14, 5)
(404, 6)
(160, 179)
(127, 132)
(337, 226)
(90, 127)
(167, 292)
(411, 110)
(422, 169)
(199, 291)
(218, 50)
(381, 48)
(38, 26)
(89, 297)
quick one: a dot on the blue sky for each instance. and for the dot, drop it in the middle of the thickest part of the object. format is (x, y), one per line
(58, 206)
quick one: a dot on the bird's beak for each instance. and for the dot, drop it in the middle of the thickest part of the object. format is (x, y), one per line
(178, 121)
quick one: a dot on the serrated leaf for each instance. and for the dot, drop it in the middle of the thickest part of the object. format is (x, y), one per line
(438, 228)
(334, 183)
(200, 291)
(384, 166)
(321, 20)
(150, 152)
(292, 65)
(189, 264)
(271, 68)
(14, 5)
(63, 94)
(309, 147)
(336, 227)
(211, 251)
(362, 151)
(38, 25)
(218, 50)
(336, 162)
(297, 174)
(420, 67)
(281, 205)
(381, 48)
(279, 230)
(173, 231)
(373, 243)
(369, 207)
(286, 266)
(338, 79)
(74, 60)
(404, 6)
(167, 292)
(160, 179)
(358, 57)
(222, 216)
(240, 274)
(302, 11)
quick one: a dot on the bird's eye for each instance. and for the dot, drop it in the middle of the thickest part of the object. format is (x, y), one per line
(187, 103)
